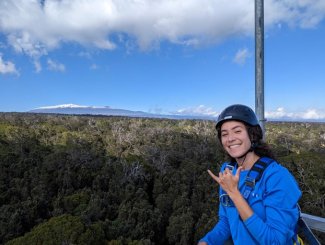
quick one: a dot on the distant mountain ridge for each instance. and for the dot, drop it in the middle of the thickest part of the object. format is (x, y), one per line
(73, 109)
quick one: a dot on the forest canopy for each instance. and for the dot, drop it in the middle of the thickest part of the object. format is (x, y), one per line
(68, 179)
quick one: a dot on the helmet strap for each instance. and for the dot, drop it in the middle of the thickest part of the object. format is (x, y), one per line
(253, 146)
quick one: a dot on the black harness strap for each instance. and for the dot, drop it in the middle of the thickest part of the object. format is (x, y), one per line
(255, 174)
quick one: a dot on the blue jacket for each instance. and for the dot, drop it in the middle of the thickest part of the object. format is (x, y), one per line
(274, 203)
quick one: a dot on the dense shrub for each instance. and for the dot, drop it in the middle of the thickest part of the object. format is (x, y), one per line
(118, 180)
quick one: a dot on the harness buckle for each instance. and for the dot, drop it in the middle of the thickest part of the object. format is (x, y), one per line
(230, 167)
(250, 182)
(226, 201)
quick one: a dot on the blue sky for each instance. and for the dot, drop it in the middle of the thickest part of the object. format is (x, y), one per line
(162, 56)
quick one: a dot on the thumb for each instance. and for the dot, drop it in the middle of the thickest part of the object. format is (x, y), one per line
(238, 171)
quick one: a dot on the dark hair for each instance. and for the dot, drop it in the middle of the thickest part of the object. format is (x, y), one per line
(259, 146)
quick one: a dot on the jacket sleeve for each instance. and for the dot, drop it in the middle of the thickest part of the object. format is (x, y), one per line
(281, 211)
(219, 234)
(221, 231)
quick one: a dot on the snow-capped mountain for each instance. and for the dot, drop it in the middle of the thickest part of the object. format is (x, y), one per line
(87, 110)
(64, 106)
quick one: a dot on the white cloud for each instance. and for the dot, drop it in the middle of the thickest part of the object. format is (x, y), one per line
(63, 106)
(55, 66)
(308, 114)
(35, 29)
(241, 56)
(200, 110)
(7, 67)
(313, 114)
(278, 114)
(38, 66)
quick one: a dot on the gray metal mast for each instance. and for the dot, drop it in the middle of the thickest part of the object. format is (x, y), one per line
(259, 61)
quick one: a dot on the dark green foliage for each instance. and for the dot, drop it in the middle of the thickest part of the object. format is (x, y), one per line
(65, 229)
(115, 180)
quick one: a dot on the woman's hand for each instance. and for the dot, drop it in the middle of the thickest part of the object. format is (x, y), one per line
(227, 181)
(229, 184)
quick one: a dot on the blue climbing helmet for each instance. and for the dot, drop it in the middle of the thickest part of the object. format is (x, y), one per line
(240, 113)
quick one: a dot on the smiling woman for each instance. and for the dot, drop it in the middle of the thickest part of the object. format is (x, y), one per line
(255, 206)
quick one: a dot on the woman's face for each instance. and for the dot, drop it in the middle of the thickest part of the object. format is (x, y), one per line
(234, 138)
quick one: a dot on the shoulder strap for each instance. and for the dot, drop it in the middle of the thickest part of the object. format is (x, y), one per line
(302, 227)
(255, 174)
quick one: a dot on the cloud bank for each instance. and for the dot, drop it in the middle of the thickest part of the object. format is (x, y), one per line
(280, 114)
(35, 27)
(309, 114)
(200, 110)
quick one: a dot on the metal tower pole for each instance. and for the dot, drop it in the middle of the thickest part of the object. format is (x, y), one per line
(259, 61)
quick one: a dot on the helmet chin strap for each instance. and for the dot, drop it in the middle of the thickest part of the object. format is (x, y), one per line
(244, 156)
(253, 146)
